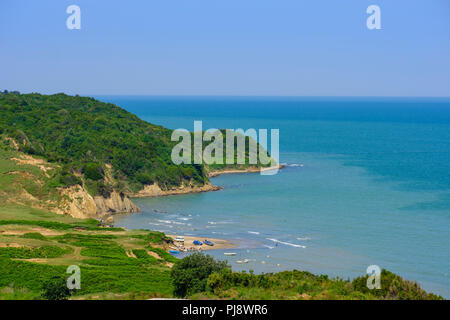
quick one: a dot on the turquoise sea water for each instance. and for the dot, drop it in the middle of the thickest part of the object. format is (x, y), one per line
(367, 182)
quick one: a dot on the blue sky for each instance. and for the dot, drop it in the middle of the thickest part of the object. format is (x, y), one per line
(227, 47)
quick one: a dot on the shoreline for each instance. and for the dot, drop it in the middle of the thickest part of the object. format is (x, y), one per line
(219, 244)
(150, 191)
(154, 190)
(214, 174)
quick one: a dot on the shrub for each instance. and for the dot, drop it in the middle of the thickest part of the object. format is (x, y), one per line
(93, 171)
(393, 287)
(55, 289)
(190, 274)
(69, 179)
(34, 235)
(145, 178)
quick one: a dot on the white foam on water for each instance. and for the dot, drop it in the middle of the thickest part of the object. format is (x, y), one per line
(286, 243)
(219, 222)
(164, 221)
(293, 164)
(171, 222)
(253, 232)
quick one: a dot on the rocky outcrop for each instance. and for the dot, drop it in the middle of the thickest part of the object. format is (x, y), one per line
(80, 204)
(155, 191)
(117, 202)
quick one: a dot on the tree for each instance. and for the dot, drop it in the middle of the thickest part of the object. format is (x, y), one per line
(56, 289)
(190, 274)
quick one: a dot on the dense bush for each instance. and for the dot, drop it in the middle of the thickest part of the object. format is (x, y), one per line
(69, 179)
(190, 274)
(393, 287)
(55, 289)
(93, 171)
(305, 285)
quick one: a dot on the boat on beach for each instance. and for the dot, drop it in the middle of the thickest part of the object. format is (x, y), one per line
(174, 251)
(197, 243)
(208, 243)
(179, 239)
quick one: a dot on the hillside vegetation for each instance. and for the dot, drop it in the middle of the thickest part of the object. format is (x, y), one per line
(199, 276)
(85, 136)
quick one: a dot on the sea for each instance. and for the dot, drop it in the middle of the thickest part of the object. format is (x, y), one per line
(366, 182)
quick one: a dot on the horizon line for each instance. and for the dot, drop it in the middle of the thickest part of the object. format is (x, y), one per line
(231, 95)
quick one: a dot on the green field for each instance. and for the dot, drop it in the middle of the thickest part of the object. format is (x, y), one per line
(39, 245)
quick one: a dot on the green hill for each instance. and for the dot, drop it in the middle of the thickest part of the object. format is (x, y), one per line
(84, 134)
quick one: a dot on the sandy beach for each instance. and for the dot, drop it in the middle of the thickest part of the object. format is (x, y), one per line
(218, 243)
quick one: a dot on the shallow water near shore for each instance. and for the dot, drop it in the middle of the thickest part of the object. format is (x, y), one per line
(367, 182)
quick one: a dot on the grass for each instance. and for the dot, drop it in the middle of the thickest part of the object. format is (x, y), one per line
(104, 263)
(37, 244)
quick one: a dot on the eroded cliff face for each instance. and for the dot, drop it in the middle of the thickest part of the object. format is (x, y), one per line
(80, 204)
(116, 203)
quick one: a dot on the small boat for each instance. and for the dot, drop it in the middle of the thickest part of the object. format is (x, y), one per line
(197, 243)
(230, 253)
(242, 261)
(208, 243)
(179, 239)
(174, 251)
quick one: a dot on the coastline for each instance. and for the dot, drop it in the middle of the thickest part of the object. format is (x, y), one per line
(217, 173)
(154, 190)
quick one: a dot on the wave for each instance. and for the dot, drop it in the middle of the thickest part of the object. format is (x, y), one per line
(170, 222)
(164, 221)
(303, 239)
(253, 232)
(270, 247)
(219, 222)
(293, 164)
(286, 243)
